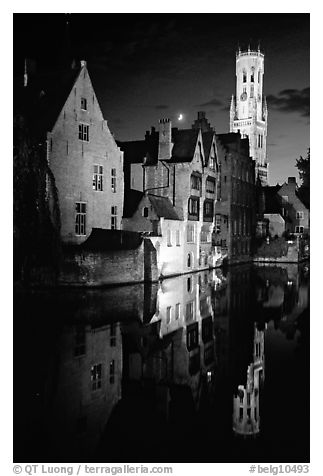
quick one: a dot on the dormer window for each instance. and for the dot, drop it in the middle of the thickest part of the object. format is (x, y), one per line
(145, 212)
(84, 104)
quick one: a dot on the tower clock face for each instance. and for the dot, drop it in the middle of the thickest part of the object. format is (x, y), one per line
(243, 96)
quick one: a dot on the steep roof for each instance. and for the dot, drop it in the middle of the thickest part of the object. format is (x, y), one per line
(41, 101)
(163, 207)
(131, 201)
(184, 144)
(136, 151)
(272, 200)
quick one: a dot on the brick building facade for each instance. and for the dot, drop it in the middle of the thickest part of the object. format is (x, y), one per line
(180, 166)
(64, 114)
(235, 211)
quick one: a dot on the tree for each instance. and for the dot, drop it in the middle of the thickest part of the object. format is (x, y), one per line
(36, 212)
(303, 165)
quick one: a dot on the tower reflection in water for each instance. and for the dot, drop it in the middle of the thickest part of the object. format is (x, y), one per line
(188, 352)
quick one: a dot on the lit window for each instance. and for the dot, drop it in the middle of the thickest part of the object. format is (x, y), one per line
(169, 237)
(168, 314)
(98, 178)
(300, 215)
(112, 371)
(189, 315)
(113, 180)
(193, 207)
(84, 132)
(96, 376)
(192, 336)
(208, 209)
(177, 311)
(210, 186)
(285, 198)
(80, 218)
(114, 217)
(196, 182)
(190, 233)
(84, 104)
(217, 223)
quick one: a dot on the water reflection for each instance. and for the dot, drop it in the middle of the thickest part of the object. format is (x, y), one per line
(181, 356)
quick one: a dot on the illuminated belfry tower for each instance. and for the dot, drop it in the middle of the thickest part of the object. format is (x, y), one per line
(246, 411)
(248, 112)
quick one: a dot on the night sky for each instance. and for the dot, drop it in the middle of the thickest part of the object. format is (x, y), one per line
(148, 66)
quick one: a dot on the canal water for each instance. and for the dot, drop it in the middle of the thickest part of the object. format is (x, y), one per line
(206, 367)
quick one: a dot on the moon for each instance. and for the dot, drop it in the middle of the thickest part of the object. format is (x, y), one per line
(180, 117)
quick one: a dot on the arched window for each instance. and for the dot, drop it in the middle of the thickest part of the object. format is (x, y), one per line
(244, 76)
(252, 77)
(258, 76)
(189, 260)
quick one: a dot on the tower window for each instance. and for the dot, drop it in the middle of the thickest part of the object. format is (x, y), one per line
(258, 76)
(84, 104)
(252, 90)
(244, 76)
(252, 77)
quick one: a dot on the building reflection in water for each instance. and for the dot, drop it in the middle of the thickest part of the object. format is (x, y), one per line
(184, 346)
(87, 371)
(246, 411)
(176, 350)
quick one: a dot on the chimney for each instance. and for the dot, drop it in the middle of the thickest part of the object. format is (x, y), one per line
(83, 63)
(292, 180)
(165, 139)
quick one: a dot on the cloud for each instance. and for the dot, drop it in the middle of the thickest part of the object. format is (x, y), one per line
(161, 106)
(212, 102)
(291, 100)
